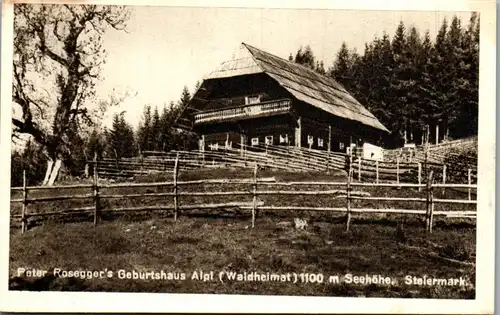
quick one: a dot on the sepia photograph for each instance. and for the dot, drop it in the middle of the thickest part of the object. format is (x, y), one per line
(243, 152)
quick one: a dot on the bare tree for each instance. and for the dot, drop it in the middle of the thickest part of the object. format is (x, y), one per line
(58, 55)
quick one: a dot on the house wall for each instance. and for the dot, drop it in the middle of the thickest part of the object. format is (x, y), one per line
(315, 124)
(279, 128)
(260, 128)
(231, 92)
(271, 127)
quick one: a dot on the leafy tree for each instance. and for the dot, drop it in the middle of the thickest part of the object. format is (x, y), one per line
(440, 74)
(342, 64)
(183, 140)
(196, 86)
(144, 132)
(374, 75)
(305, 57)
(320, 67)
(427, 93)
(344, 68)
(96, 144)
(456, 69)
(412, 82)
(30, 159)
(57, 61)
(467, 120)
(166, 122)
(120, 141)
(185, 97)
(156, 131)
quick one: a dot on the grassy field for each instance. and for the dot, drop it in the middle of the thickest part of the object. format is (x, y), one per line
(222, 241)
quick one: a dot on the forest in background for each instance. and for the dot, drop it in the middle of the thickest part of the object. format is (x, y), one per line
(410, 82)
(154, 133)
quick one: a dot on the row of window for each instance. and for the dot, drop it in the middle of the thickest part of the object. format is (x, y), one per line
(268, 140)
(284, 139)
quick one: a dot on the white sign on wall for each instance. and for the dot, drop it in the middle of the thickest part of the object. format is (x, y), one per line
(310, 140)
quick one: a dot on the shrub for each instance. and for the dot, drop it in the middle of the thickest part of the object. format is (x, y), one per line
(455, 250)
(31, 159)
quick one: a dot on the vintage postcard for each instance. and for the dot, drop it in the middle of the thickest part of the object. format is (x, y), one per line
(180, 156)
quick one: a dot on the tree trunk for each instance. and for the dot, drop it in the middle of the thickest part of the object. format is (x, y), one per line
(50, 163)
(55, 172)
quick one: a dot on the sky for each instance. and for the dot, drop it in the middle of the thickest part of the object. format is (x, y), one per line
(167, 48)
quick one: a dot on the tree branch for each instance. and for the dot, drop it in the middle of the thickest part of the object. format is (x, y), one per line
(48, 52)
(30, 128)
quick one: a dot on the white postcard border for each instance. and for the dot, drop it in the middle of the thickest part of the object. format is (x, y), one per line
(156, 302)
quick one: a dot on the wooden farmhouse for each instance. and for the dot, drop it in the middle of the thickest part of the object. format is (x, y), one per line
(257, 98)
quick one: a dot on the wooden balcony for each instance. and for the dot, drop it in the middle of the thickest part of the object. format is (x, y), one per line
(270, 108)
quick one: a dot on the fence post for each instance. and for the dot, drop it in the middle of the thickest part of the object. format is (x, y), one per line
(25, 204)
(254, 193)
(376, 165)
(116, 162)
(329, 148)
(428, 202)
(348, 193)
(96, 190)
(431, 213)
(359, 168)
(176, 169)
(469, 181)
(397, 170)
(419, 175)
(203, 153)
(444, 178)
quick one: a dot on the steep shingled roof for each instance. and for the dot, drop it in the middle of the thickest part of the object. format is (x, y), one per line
(305, 84)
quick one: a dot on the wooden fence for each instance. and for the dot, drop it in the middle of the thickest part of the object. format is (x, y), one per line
(343, 190)
(284, 158)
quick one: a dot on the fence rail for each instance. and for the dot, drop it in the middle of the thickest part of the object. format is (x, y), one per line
(285, 158)
(346, 190)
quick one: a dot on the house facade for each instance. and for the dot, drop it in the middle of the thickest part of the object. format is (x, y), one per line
(257, 98)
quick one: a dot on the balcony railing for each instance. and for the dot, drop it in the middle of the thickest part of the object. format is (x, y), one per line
(270, 108)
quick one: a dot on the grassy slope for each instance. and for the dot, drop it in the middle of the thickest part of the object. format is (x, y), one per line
(224, 242)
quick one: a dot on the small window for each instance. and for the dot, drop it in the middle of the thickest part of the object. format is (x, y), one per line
(254, 99)
(310, 140)
(283, 138)
(320, 142)
(269, 140)
(341, 145)
(255, 141)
